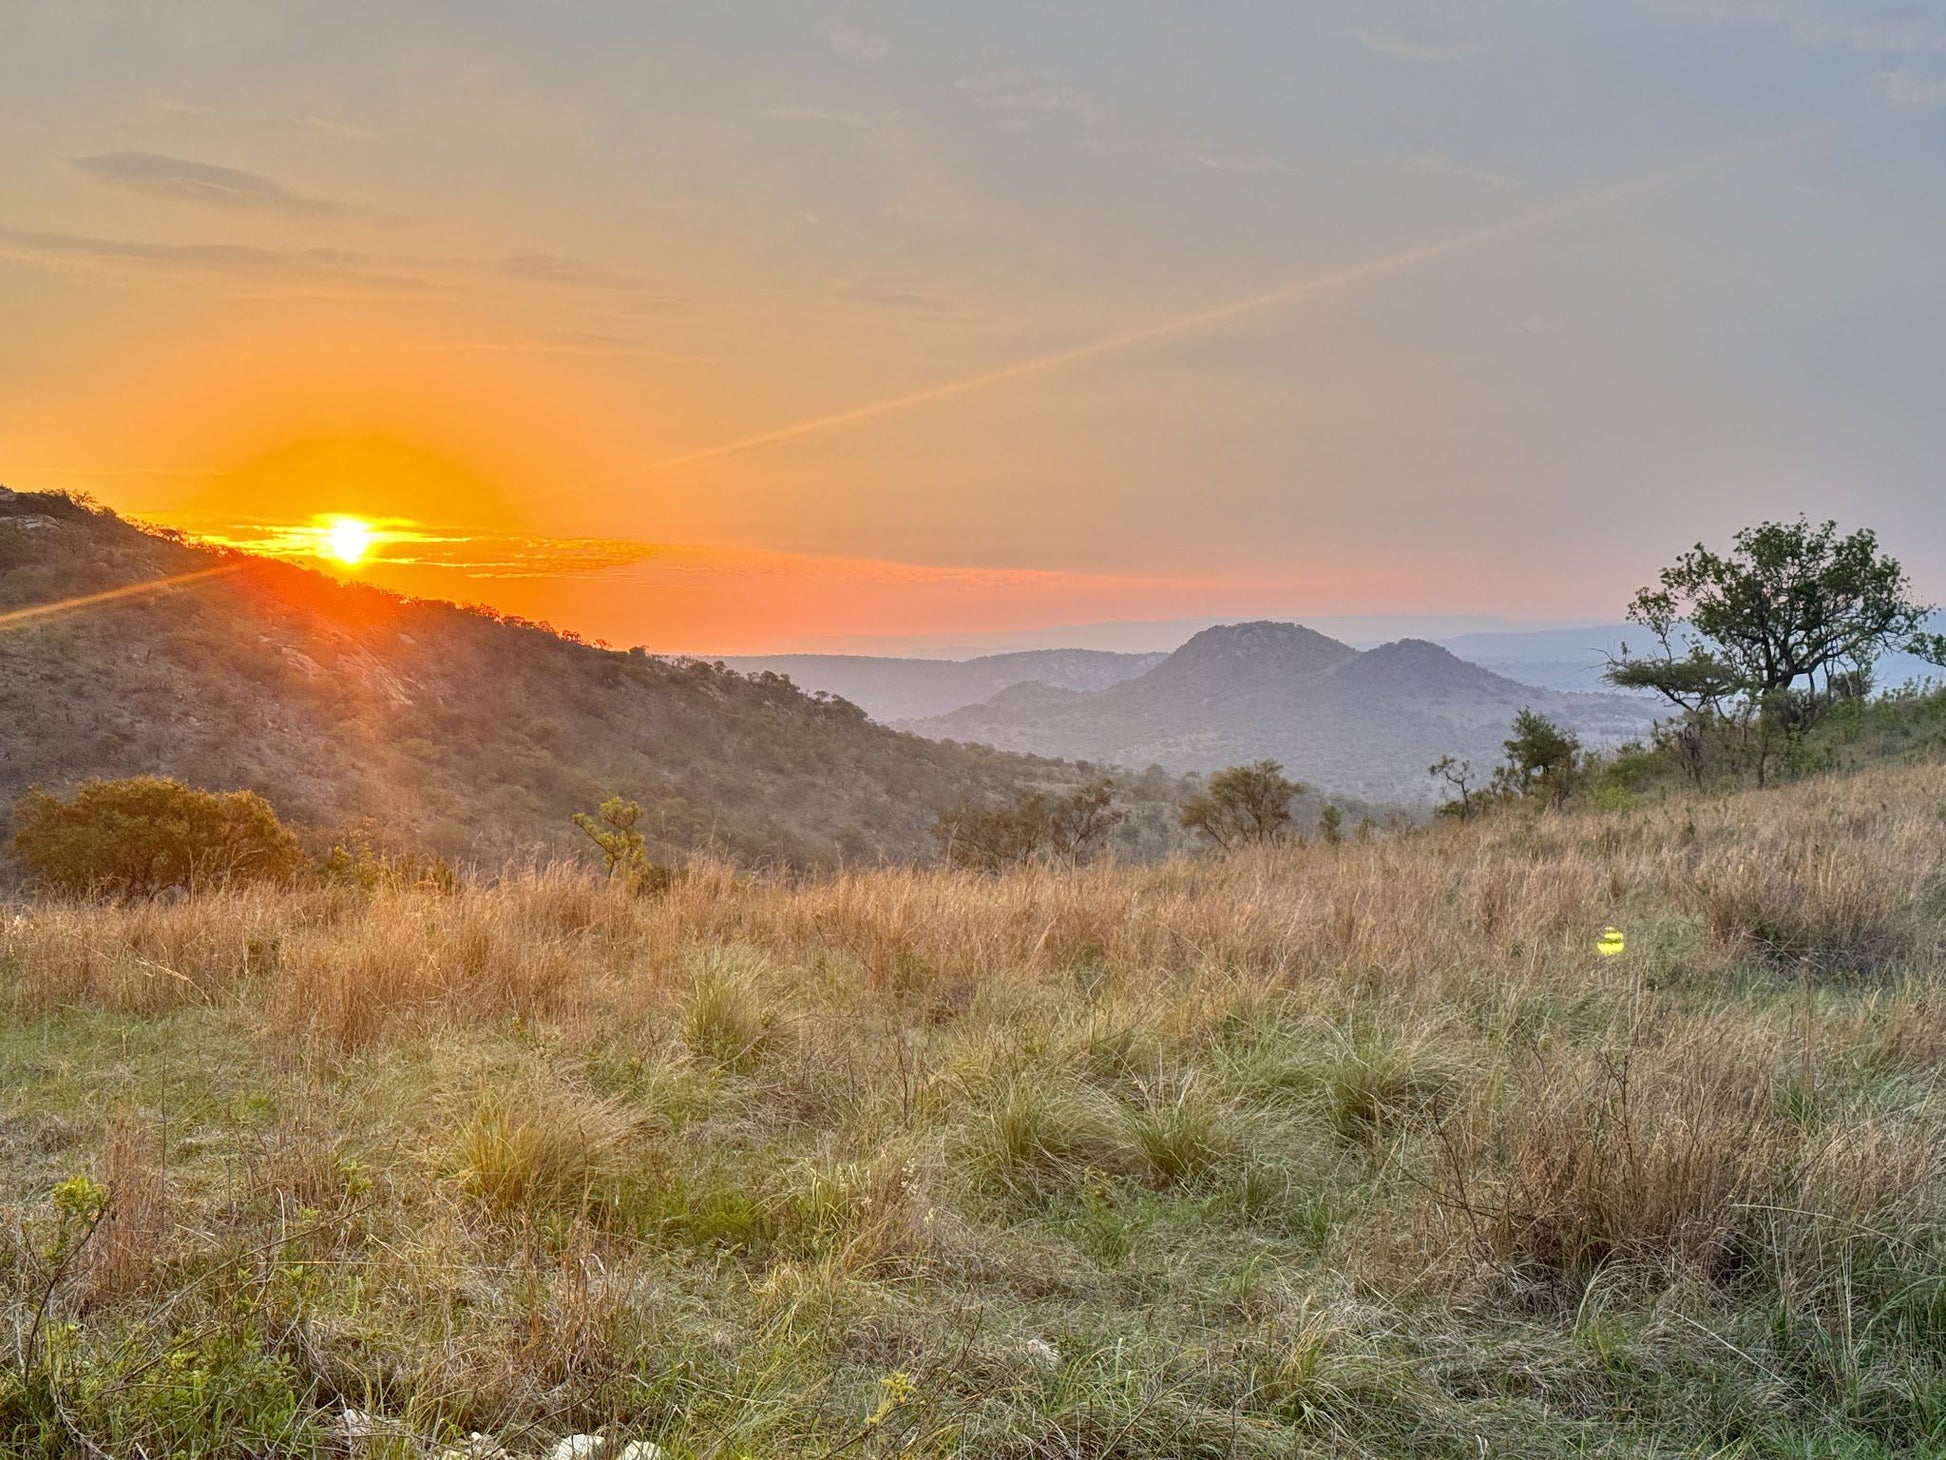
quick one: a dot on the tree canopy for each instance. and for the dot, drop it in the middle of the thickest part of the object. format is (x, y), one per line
(1244, 804)
(1789, 618)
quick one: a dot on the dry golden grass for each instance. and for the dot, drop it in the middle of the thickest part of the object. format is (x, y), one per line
(1353, 1149)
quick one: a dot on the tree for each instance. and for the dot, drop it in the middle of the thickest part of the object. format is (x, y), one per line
(1244, 805)
(1079, 821)
(146, 835)
(1776, 627)
(624, 850)
(1542, 759)
(1459, 775)
(1331, 824)
(1030, 827)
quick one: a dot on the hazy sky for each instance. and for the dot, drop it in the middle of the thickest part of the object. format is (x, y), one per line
(1544, 292)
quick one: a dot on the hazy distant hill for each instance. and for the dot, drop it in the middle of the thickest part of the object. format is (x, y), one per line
(464, 732)
(1570, 660)
(911, 689)
(1575, 659)
(1367, 723)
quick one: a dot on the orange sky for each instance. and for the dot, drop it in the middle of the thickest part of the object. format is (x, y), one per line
(734, 331)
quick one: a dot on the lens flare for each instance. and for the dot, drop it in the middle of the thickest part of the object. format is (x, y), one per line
(112, 595)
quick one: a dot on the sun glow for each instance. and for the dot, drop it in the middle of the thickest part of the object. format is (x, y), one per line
(345, 540)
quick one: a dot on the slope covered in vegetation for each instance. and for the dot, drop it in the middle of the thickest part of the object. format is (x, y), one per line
(1310, 1150)
(442, 728)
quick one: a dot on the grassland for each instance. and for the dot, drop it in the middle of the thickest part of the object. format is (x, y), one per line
(1354, 1150)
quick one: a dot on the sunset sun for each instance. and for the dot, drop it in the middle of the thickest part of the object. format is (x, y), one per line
(344, 540)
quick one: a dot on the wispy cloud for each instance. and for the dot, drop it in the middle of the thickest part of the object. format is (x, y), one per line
(852, 41)
(254, 268)
(1415, 48)
(1024, 100)
(572, 342)
(399, 542)
(257, 121)
(530, 266)
(1869, 27)
(1911, 87)
(815, 114)
(1219, 162)
(485, 555)
(235, 263)
(903, 296)
(1030, 101)
(204, 184)
(1437, 164)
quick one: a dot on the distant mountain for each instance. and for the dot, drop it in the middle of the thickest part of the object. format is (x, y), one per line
(1367, 722)
(448, 728)
(1575, 659)
(912, 689)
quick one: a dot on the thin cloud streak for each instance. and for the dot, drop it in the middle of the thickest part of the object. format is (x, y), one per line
(202, 184)
(1285, 295)
(321, 126)
(347, 268)
(1411, 48)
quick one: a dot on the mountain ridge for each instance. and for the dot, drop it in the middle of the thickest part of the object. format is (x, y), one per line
(1360, 721)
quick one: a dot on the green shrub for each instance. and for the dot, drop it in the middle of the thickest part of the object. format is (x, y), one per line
(147, 835)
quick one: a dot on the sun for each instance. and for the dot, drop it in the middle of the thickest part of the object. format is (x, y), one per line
(345, 540)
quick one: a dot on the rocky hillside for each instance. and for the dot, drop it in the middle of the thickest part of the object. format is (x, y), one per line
(1366, 723)
(444, 727)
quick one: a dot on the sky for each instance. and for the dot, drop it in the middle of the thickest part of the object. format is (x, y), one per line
(752, 327)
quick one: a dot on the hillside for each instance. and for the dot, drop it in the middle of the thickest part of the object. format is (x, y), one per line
(1368, 722)
(446, 728)
(1316, 1151)
(890, 689)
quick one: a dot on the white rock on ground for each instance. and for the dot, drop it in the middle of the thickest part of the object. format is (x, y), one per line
(477, 1447)
(358, 1428)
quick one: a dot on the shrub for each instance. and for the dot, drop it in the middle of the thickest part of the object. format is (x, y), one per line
(1244, 805)
(1029, 828)
(147, 835)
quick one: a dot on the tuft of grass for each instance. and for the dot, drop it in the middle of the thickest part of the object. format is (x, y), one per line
(1042, 1131)
(725, 1021)
(1183, 1135)
(540, 1145)
(135, 1229)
